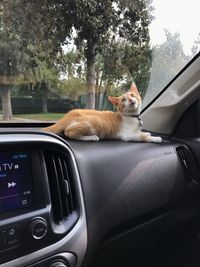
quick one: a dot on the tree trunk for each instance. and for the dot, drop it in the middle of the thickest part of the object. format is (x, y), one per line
(99, 94)
(90, 84)
(102, 100)
(44, 97)
(106, 104)
(6, 103)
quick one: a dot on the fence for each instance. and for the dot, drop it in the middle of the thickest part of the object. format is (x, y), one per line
(22, 105)
(35, 105)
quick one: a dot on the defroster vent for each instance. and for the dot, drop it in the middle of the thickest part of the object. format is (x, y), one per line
(62, 191)
(189, 164)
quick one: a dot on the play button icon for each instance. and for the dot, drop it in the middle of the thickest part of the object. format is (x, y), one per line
(12, 184)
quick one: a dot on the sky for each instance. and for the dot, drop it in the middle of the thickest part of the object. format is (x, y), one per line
(181, 16)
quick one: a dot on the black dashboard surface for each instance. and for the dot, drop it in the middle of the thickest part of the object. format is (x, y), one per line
(126, 185)
(132, 192)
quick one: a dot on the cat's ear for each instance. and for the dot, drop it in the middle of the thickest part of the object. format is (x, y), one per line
(113, 99)
(134, 89)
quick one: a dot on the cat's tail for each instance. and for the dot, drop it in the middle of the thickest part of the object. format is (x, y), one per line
(56, 128)
(61, 125)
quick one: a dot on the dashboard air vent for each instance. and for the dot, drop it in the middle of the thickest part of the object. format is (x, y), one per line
(61, 185)
(189, 164)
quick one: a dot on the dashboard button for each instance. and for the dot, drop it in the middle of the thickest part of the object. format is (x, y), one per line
(12, 242)
(4, 239)
(10, 236)
(12, 232)
(58, 264)
(38, 228)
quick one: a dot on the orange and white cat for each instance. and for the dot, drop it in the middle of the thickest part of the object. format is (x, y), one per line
(92, 125)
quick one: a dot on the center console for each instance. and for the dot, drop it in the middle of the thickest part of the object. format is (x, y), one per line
(41, 204)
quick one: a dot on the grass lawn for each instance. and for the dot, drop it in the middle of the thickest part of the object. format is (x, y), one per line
(40, 116)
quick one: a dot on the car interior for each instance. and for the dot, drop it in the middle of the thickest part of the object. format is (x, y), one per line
(107, 203)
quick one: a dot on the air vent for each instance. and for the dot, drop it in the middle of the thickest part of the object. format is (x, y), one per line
(189, 164)
(61, 185)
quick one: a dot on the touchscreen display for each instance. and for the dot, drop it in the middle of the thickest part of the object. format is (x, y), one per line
(16, 189)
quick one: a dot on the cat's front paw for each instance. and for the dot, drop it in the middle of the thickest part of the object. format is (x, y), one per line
(94, 138)
(156, 139)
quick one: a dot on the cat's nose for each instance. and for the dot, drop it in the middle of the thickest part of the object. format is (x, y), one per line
(132, 101)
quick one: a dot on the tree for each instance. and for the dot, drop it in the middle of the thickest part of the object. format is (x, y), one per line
(94, 24)
(17, 67)
(29, 20)
(167, 60)
(40, 25)
(72, 64)
(13, 70)
(127, 62)
(196, 47)
(48, 82)
(72, 87)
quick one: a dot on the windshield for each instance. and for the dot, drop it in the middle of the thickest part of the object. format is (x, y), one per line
(60, 55)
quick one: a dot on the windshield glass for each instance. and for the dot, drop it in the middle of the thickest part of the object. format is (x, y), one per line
(60, 55)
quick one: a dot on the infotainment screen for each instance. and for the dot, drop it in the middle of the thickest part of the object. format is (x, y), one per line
(16, 181)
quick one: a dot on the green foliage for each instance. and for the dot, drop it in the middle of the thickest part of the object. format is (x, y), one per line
(92, 22)
(72, 87)
(45, 77)
(196, 47)
(42, 25)
(12, 61)
(16, 66)
(168, 60)
(72, 64)
(127, 62)
(111, 37)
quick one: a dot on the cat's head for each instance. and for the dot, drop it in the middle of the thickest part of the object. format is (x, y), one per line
(129, 103)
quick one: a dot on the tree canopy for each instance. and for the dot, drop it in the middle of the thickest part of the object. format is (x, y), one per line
(44, 26)
(75, 47)
(167, 59)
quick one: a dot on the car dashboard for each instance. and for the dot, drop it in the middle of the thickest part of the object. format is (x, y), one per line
(72, 203)
(42, 210)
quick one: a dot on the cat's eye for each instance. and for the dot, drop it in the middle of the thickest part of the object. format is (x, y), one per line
(123, 99)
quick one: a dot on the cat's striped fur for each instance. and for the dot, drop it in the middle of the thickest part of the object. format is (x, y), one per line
(92, 125)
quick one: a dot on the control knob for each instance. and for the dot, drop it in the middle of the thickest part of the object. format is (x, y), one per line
(38, 228)
(58, 264)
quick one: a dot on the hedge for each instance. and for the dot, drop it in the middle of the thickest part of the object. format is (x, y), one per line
(22, 105)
